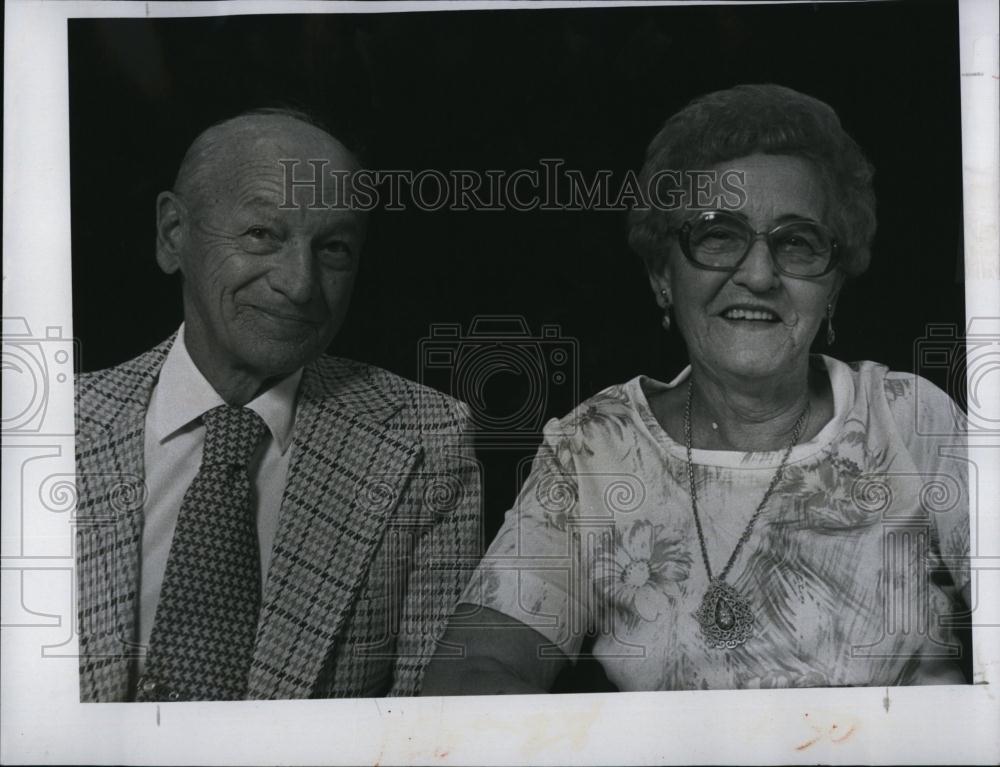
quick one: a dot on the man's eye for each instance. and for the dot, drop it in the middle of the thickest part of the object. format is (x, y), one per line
(337, 255)
(260, 239)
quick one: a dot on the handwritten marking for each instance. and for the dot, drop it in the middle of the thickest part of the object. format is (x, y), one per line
(886, 701)
(830, 733)
(845, 736)
(804, 746)
(157, 714)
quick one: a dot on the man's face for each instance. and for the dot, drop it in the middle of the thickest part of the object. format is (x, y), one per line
(265, 289)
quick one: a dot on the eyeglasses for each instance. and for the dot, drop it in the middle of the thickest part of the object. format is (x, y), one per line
(720, 241)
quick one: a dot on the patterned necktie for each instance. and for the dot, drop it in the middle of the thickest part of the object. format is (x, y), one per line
(206, 619)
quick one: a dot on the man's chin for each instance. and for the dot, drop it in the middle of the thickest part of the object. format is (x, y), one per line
(277, 346)
(278, 354)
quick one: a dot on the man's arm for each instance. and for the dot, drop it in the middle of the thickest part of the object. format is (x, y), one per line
(498, 656)
(444, 555)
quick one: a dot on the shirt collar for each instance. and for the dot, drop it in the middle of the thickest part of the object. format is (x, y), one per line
(182, 395)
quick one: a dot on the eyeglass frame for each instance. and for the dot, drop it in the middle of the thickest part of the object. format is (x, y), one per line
(684, 237)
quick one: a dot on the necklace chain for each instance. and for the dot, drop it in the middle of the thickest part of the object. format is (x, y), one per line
(796, 431)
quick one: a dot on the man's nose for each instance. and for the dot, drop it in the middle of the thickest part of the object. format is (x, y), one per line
(294, 275)
(757, 272)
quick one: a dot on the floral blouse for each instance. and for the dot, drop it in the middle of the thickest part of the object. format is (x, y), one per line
(858, 553)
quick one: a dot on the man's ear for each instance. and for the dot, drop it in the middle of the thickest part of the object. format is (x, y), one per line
(659, 281)
(171, 231)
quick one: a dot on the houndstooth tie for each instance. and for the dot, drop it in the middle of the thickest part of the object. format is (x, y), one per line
(206, 619)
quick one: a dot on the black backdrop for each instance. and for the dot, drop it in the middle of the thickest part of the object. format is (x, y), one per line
(502, 89)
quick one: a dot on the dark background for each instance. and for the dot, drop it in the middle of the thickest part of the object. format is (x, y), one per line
(503, 89)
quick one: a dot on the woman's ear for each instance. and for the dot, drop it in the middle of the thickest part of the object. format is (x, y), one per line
(660, 283)
(171, 230)
(838, 284)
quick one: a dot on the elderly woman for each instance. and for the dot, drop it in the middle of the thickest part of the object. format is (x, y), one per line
(769, 518)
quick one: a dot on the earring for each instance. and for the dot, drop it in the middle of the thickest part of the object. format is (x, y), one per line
(831, 334)
(667, 306)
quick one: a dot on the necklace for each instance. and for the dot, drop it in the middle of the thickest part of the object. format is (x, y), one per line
(725, 616)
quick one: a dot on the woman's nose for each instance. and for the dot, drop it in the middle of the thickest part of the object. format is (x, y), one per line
(757, 272)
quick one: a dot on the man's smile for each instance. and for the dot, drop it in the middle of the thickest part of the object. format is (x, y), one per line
(286, 316)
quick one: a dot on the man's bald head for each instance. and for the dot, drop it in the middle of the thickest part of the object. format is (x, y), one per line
(218, 151)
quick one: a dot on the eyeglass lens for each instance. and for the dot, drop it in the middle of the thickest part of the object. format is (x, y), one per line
(800, 248)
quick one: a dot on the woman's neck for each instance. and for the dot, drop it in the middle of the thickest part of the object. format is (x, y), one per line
(750, 415)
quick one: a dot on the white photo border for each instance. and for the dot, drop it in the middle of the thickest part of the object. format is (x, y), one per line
(41, 718)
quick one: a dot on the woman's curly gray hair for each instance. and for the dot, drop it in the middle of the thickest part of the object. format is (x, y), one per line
(766, 119)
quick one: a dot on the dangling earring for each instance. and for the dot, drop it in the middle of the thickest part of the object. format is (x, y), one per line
(831, 334)
(667, 306)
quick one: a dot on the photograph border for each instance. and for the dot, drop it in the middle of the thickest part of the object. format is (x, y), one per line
(41, 718)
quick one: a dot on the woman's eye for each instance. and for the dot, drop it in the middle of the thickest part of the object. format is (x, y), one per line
(797, 243)
(719, 234)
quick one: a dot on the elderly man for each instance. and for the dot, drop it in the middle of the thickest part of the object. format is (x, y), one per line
(257, 520)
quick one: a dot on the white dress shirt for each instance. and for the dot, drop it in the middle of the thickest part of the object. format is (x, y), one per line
(174, 440)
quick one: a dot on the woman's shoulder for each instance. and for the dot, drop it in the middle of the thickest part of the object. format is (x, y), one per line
(620, 398)
(916, 403)
(614, 411)
(896, 384)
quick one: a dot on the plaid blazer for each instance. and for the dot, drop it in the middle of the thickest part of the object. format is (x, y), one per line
(380, 525)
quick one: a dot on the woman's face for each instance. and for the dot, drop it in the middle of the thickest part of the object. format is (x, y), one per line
(754, 322)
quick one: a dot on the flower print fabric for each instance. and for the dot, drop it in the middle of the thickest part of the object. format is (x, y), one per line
(838, 570)
(641, 569)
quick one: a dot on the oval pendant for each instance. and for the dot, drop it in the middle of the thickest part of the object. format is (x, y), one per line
(724, 616)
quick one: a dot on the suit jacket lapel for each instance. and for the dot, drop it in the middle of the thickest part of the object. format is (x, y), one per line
(346, 476)
(111, 408)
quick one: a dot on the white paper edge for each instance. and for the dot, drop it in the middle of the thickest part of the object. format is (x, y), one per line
(42, 722)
